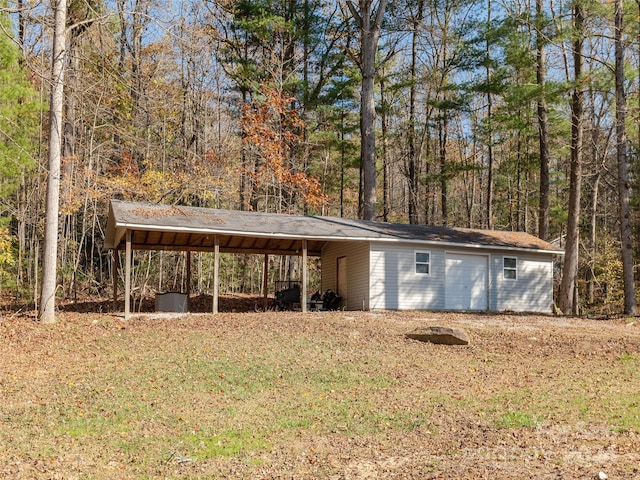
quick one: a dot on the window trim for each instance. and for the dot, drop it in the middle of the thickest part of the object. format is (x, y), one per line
(416, 263)
(510, 269)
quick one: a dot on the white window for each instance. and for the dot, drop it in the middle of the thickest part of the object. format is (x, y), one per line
(423, 263)
(510, 268)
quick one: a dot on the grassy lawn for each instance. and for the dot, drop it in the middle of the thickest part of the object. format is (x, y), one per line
(319, 395)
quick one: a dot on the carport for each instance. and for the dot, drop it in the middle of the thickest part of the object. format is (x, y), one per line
(144, 226)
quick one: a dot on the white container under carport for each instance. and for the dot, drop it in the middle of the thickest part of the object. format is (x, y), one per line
(172, 302)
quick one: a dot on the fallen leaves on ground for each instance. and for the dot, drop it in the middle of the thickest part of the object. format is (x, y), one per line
(341, 395)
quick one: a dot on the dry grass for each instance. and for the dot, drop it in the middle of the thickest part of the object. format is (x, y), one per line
(319, 395)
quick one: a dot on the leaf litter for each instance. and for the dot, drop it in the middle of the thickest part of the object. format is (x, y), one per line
(338, 395)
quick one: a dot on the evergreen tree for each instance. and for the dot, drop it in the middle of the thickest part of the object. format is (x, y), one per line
(18, 117)
(18, 126)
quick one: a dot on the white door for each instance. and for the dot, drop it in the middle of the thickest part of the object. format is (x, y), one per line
(466, 282)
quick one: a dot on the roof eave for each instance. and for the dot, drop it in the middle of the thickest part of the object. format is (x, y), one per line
(121, 228)
(477, 246)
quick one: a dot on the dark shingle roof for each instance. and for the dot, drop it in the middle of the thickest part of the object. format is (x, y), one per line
(180, 227)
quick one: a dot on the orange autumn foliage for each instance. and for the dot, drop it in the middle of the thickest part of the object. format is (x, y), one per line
(271, 127)
(181, 179)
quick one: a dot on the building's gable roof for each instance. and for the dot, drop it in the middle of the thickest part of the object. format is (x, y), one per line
(192, 228)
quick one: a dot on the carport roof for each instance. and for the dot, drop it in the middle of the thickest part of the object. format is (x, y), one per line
(173, 227)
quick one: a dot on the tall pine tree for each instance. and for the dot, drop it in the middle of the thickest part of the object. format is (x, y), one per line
(18, 127)
(18, 117)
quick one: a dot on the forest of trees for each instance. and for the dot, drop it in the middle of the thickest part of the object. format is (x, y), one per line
(511, 115)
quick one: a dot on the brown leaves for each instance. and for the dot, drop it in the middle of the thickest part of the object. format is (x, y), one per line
(272, 129)
(317, 395)
(197, 178)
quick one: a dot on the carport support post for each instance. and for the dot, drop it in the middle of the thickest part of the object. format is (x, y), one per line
(265, 282)
(216, 272)
(127, 277)
(303, 300)
(114, 273)
(188, 281)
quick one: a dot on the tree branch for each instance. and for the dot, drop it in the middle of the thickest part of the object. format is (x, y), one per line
(382, 6)
(354, 13)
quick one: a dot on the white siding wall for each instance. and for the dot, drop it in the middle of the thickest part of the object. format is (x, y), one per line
(531, 291)
(382, 276)
(357, 254)
(395, 285)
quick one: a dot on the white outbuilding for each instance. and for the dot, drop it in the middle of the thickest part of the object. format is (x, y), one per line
(371, 265)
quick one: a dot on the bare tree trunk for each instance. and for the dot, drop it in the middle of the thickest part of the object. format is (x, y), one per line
(518, 224)
(428, 202)
(21, 209)
(368, 126)
(413, 160)
(567, 302)
(244, 197)
(442, 138)
(595, 186)
(68, 229)
(385, 159)
(489, 199)
(369, 24)
(50, 254)
(21, 30)
(543, 128)
(626, 239)
(342, 162)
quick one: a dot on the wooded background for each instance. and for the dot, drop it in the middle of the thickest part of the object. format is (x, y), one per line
(513, 114)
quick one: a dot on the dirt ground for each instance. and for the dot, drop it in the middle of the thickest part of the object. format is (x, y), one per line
(530, 396)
